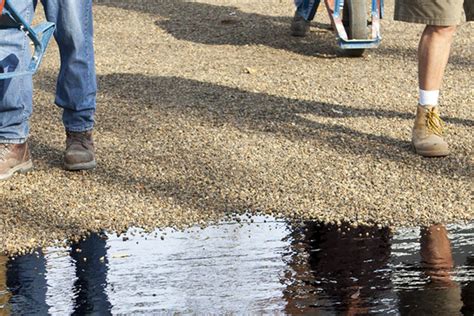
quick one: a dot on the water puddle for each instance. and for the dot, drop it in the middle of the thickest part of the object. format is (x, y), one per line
(261, 266)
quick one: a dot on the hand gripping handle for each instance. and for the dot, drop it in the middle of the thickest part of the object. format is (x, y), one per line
(39, 35)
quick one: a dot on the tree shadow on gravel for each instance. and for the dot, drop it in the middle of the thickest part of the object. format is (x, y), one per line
(184, 191)
(168, 97)
(394, 51)
(226, 25)
(163, 140)
(30, 221)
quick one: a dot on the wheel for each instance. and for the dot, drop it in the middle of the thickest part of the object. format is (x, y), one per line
(354, 18)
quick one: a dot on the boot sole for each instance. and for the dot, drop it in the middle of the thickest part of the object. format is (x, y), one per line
(21, 168)
(298, 34)
(432, 153)
(80, 166)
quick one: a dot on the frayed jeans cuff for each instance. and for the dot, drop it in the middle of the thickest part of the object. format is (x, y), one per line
(13, 141)
(80, 129)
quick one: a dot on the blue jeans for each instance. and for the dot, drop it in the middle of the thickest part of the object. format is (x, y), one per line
(76, 85)
(307, 8)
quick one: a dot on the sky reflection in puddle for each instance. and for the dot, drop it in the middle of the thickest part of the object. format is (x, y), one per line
(263, 267)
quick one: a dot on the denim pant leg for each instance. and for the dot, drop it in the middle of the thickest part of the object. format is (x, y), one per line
(307, 8)
(76, 87)
(16, 95)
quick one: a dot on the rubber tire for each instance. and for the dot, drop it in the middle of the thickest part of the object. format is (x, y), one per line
(354, 18)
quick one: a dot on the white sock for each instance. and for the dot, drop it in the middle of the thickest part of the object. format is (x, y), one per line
(429, 97)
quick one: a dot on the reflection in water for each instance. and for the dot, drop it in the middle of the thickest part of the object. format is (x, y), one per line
(91, 272)
(26, 283)
(339, 269)
(468, 291)
(348, 270)
(259, 268)
(4, 293)
(23, 282)
(440, 295)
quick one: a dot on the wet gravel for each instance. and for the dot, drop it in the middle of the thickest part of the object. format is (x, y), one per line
(210, 108)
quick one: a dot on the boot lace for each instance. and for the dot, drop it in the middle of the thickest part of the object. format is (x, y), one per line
(78, 138)
(434, 122)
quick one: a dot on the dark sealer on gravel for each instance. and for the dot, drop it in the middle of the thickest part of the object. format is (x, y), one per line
(262, 266)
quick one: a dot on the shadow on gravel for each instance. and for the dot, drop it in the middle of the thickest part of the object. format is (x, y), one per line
(392, 50)
(186, 193)
(155, 99)
(226, 25)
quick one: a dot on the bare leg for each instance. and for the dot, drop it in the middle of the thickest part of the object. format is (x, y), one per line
(433, 55)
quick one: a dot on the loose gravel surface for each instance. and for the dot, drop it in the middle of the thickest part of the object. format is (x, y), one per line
(210, 107)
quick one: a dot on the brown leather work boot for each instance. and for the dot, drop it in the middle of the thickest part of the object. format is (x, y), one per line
(427, 133)
(299, 26)
(80, 152)
(14, 158)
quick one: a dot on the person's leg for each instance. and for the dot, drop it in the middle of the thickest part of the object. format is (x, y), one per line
(433, 55)
(441, 19)
(76, 86)
(307, 8)
(305, 12)
(16, 96)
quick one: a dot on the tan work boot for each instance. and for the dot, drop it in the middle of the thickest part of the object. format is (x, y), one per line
(427, 133)
(80, 152)
(14, 158)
